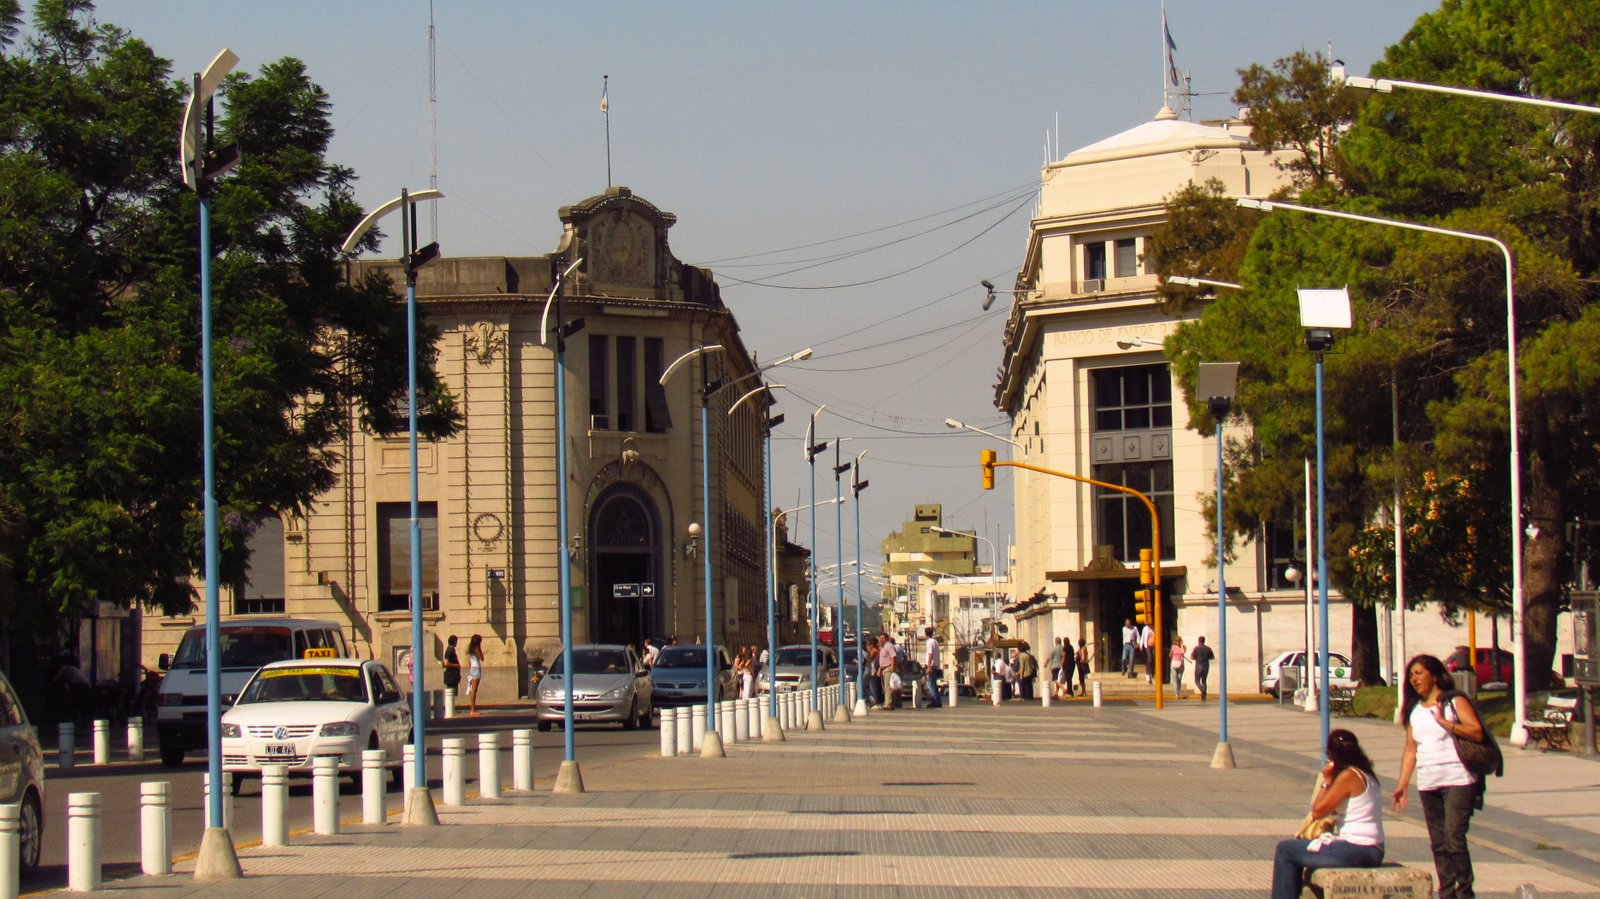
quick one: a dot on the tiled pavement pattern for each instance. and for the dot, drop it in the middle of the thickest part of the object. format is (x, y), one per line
(973, 801)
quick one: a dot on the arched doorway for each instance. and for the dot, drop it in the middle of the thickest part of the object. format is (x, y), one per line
(625, 566)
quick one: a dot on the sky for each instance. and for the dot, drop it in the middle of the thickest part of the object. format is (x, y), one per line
(864, 164)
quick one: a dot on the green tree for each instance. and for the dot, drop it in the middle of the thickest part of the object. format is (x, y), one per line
(100, 474)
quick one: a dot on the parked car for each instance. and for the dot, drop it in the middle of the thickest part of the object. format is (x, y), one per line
(791, 668)
(291, 712)
(609, 684)
(1485, 666)
(247, 644)
(1340, 672)
(21, 775)
(679, 676)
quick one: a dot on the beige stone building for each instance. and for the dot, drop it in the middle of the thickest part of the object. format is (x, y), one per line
(491, 544)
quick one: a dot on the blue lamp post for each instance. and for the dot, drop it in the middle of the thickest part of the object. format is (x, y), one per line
(201, 165)
(812, 449)
(771, 729)
(842, 711)
(570, 777)
(856, 486)
(419, 803)
(1218, 383)
(1322, 311)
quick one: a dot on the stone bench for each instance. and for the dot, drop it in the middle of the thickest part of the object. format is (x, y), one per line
(1391, 881)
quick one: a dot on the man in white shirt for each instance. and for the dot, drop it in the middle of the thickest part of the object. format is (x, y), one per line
(930, 668)
(1130, 642)
(1147, 645)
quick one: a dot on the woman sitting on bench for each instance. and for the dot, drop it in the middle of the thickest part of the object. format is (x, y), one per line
(1347, 791)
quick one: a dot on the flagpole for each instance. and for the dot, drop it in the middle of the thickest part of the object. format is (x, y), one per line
(1164, 102)
(605, 107)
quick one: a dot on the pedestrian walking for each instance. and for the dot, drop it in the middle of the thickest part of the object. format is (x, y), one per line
(1435, 715)
(930, 668)
(887, 663)
(1177, 665)
(1085, 659)
(452, 666)
(474, 672)
(1027, 670)
(874, 686)
(1347, 791)
(1130, 642)
(1201, 656)
(1147, 648)
(1053, 661)
(1069, 667)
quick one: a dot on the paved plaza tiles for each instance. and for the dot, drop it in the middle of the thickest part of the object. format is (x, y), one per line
(973, 801)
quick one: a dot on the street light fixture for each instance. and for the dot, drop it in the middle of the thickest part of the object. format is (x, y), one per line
(812, 449)
(1218, 382)
(419, 808)
(956, 425)
(856, 486)
(1388, 85)
(1187, 281)
(1519, 730)
(772, 728)
(1128, 343)
(201, 165)
(841, 712)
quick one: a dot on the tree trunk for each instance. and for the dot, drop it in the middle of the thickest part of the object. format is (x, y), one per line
(1541, 580)
(1364, 645)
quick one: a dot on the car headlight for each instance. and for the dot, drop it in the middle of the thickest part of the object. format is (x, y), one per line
(340, 729)
(172, 699)
(618, 693)
(550, 694)
(230, 730)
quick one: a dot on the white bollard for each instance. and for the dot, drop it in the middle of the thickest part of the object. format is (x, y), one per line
(758, 714)
(669, 733)
(522, 759)
(408, 765)
(274, 805)
(724, 722)
(66, 740)
(1046, 688)
(374, 789)
(449, 702)
(227, 799)
(102, 741)
(135, 739)
(994, 691)
(83, 842)
(325, 794)
(489, 766)
(955, 691)
(1097, 694)
(155, 827)
(699, 729)
(916, 693)
(10, 850)
(455, 777)
(741, 721)
(685, 731)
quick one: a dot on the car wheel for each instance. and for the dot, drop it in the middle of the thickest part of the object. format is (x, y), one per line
(632, 721)
(172, 756)
(647, 718)
(544, 727)
(30, 833)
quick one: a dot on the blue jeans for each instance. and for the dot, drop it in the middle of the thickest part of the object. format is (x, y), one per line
(932, 686)
(1448, 811)
(1293, 859)
(1127, 659)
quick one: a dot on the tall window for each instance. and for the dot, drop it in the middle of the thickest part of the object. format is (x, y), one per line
(599, 378)
(261, 593)
(1094, 261)
(657, 416)
(1127, 261)
(1122, 521)
(394, 556)
(1132, 398)
(627, 388)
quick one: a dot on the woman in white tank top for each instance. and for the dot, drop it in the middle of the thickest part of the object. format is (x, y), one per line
(1434, 716)
(1348, 790)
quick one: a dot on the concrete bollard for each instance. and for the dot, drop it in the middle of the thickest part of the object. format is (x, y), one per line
(325, 794)
(455, 776)
(522, 759)
(995, 691)
(408, 764)
(698, 731)
(757, 711)
(669, 733)
(954, 693)
(489, 766)
(374, 790)
(724, 722)
(449, 702)
(1097, 694)
(102, 741)
(135, 739)
(227, 799)
(274, 805)
(83, 842)
(155, 827)
(685, 731)
(741, 721)
(10, 850)
(1044, 694)
(66, 739)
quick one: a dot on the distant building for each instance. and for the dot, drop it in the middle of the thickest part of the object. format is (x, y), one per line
(491, 547)
(932, 578)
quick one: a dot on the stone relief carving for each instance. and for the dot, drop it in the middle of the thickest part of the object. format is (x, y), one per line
(623, 249)
(484, 340)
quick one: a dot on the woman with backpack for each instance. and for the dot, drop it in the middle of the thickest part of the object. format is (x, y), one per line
(1435, 715)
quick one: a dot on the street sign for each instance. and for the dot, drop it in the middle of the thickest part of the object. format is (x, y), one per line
(647, 591)
(624, 591)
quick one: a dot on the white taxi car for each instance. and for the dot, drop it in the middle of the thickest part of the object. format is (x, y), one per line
(292, 711)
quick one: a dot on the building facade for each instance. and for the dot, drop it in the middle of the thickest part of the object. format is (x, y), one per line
(489, 516)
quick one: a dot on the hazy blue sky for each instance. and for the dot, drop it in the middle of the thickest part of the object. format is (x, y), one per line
(768, 128)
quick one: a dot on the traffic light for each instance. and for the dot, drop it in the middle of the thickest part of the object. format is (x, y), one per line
(1144, 599)
(986, 459)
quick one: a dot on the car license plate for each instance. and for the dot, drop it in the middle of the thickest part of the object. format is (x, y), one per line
(280, 749)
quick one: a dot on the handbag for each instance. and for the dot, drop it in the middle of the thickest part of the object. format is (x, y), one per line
(894, 681)
(1482, 758)
(1313, 827)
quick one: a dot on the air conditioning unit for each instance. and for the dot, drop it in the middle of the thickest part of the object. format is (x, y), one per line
(1094, 285)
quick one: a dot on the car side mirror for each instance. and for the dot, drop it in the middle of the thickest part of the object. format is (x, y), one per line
(164, 661)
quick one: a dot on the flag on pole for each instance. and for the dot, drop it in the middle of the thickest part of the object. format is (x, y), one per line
(1172, 47)
(605, 97)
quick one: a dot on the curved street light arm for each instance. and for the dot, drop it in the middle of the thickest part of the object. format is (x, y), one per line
(365, 225)
(681, 360)
(544, 320)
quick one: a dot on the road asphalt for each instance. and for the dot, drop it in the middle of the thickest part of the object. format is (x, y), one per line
(1071, 800)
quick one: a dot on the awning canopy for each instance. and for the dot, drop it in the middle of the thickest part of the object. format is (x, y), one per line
(1112, 574)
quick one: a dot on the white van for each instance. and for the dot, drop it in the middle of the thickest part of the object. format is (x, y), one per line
(247, 644)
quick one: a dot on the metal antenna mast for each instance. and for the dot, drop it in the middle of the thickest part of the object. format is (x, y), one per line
(433, 131)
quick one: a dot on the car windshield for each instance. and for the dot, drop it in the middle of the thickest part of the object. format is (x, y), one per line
(682, 657)
(242, 647)
(596, 661)
(306, 683)
(797, 656)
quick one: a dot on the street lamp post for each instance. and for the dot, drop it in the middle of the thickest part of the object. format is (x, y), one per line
(1519, 730)
(812, 449)
(201, 165)
(856, 486)
(772, 728)
(1218, 383)
(569, 779)
(419, 808)
(841, 713)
